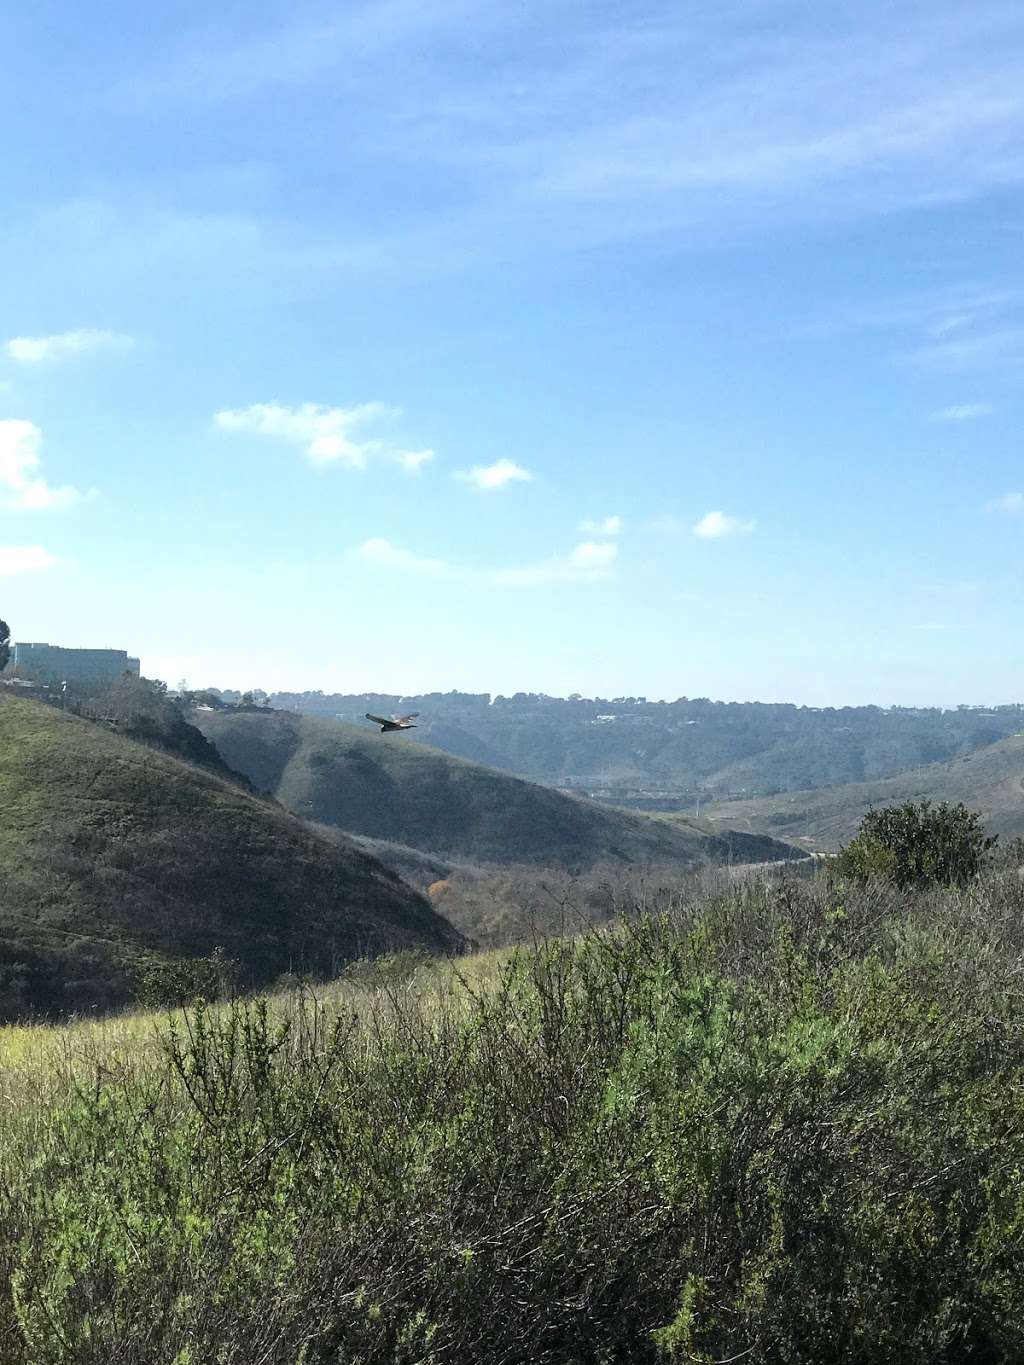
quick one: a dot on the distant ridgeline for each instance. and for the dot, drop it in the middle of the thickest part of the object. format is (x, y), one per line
(670, 749)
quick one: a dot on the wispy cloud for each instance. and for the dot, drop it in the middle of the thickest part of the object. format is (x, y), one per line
(588, 562)
(964, 412)
(23, 487)
(378, 550)
(947, 330)
(667, 525)
(1010, 503)
(296, 52)
(325, 435)
(607, 526)
(718, 525)
(412, 461)
(39, 350)
(489, 478)
(945, 326)
(581, 109)
(25, 559)
(995, 345)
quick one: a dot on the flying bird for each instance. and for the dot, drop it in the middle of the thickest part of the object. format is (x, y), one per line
(395, 723)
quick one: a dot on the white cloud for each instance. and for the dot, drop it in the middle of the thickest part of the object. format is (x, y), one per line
(19, 465)
(378, 550)
(716, 525)
(592, 555)
(608, 526)
(38, 350)
(588, 562)
(325, 434)
(964, 412)
(1011, 503)
(412, 461)
(488, 478)
(21, 559)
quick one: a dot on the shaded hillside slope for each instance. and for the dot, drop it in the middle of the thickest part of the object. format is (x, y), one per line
(111, 853)
(389, 787)
(990, 781)
(139, 709)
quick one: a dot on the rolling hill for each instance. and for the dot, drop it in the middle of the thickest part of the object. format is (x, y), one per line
(388, 787)
(991, 781)
(113, 855)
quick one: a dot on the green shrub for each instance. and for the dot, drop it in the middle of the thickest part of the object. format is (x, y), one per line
(784, 1126)
(184, 980)
(917, 844)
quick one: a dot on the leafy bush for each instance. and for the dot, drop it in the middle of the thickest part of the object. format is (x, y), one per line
(184, 980)
(782, 1126)
(917, 844)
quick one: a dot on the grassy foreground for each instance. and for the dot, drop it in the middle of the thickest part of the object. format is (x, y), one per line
(784, 1125)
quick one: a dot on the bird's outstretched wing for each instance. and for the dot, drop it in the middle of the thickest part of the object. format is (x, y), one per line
(380, 720)
(404, 720)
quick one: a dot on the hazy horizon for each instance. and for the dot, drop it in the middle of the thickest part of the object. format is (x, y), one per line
(508, 692)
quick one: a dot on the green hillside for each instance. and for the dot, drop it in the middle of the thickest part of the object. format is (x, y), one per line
(112, 854)
(389, 787)
(990, 781)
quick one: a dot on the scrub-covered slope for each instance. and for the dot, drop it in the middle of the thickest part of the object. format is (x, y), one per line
(990, 781)
(113, 855)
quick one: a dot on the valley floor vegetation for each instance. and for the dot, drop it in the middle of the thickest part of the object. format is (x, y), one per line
(782, 1124)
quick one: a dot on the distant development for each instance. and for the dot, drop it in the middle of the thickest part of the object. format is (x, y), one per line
(52, 665)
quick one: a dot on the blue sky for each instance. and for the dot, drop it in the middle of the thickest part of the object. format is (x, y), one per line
(650, 348)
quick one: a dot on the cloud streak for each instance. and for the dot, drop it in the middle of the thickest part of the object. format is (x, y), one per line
(964, 412)
(378, 550)
(588, 562)
(581, 109)
(63, 345)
